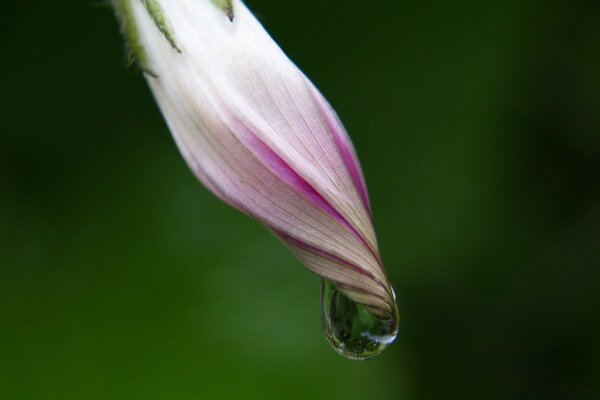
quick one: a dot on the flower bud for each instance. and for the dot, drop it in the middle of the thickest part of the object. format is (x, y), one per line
(260, 136)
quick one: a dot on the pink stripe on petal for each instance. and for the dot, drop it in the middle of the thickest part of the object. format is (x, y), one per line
(326, 254)
(287, 174)
(344, 146)
(283, 171)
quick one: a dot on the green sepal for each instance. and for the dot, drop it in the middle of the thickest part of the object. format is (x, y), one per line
(226, 6)
(129, 29)
(128, 26)
(156, 12)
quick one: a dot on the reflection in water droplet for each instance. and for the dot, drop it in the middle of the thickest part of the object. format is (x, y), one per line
(352, 330)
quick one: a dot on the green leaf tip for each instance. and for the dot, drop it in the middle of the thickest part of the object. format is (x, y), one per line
(129, 29)
(159, 19)
(226, 6)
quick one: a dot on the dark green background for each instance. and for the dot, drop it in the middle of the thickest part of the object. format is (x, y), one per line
(478, 126)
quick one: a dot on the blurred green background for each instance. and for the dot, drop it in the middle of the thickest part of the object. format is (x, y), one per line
(478, 126)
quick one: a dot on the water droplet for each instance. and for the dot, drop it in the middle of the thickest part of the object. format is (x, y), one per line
(352, 330)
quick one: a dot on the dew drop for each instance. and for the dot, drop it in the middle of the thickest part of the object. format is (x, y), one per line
(351, 330)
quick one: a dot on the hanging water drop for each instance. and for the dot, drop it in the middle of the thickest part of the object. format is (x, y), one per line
(352, 330)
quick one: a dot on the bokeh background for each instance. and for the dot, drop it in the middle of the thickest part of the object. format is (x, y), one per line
(478, 126)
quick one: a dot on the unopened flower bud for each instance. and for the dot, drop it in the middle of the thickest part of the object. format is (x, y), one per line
(260, 136)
